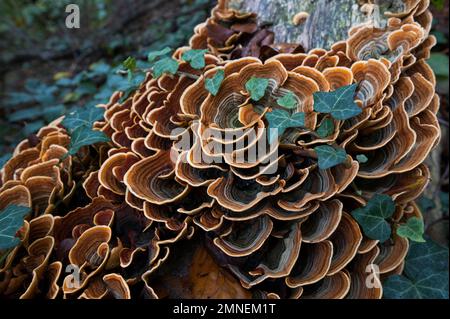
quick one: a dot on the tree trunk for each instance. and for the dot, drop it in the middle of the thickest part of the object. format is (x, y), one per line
(329, 21)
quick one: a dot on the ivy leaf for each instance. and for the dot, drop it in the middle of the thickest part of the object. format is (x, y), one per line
(213, 84)
(425, 275)
(326, 128)
(372, 217)
(412, 229)
(196, 58)
(288, 101)
(281, 120)
(26, 114)
(33, 127)
(54, 111)
(256, 87)
(338, 103)
(425, 257)
(11, 220)
(297, 120)
(85, 136)
(86, 117)
(329, 156)
(166, 65)
(130, 64)
(127, 93)
(361, 158)
(430, 286)
(72, 97)
(130, 87)
(99, 68)
(154, 55)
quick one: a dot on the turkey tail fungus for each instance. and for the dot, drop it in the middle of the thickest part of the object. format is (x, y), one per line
(144, 216)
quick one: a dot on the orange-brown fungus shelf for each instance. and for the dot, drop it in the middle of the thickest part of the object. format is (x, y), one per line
(139, 224)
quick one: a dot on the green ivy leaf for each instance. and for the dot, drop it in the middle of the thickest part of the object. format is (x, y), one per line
(425, 275)
(256, 87)
(340, 103)
(288, 101)
(213, 84)
(85, 136)
(425, 257)
(33, 127)
(196, 58)
(281, 120)
(154, 55)
(372, 217)
(165, 65)
(11, 220)
(430, 286)
(26, 114)
(54, 111)
(297, 120)
(326, 128)
(72, 97)
(361, 158)
(86, 88)
(129, 87)
(99, 68)
(412, 229)
(127, 93)
(130, 64)
(17, 98)
(86, 117)
(329, 156)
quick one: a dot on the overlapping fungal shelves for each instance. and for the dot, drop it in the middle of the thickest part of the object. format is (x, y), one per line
(141, 218)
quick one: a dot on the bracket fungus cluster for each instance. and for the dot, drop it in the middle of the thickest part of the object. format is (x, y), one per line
(146, 217)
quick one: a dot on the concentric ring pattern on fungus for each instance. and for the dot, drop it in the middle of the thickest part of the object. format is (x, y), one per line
(141, 218)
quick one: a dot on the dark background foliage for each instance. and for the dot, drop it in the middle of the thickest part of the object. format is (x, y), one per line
(46, 70)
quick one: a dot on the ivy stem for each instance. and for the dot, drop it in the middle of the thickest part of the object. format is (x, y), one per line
(356, 189)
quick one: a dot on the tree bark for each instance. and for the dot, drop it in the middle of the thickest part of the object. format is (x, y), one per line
(329, 21)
